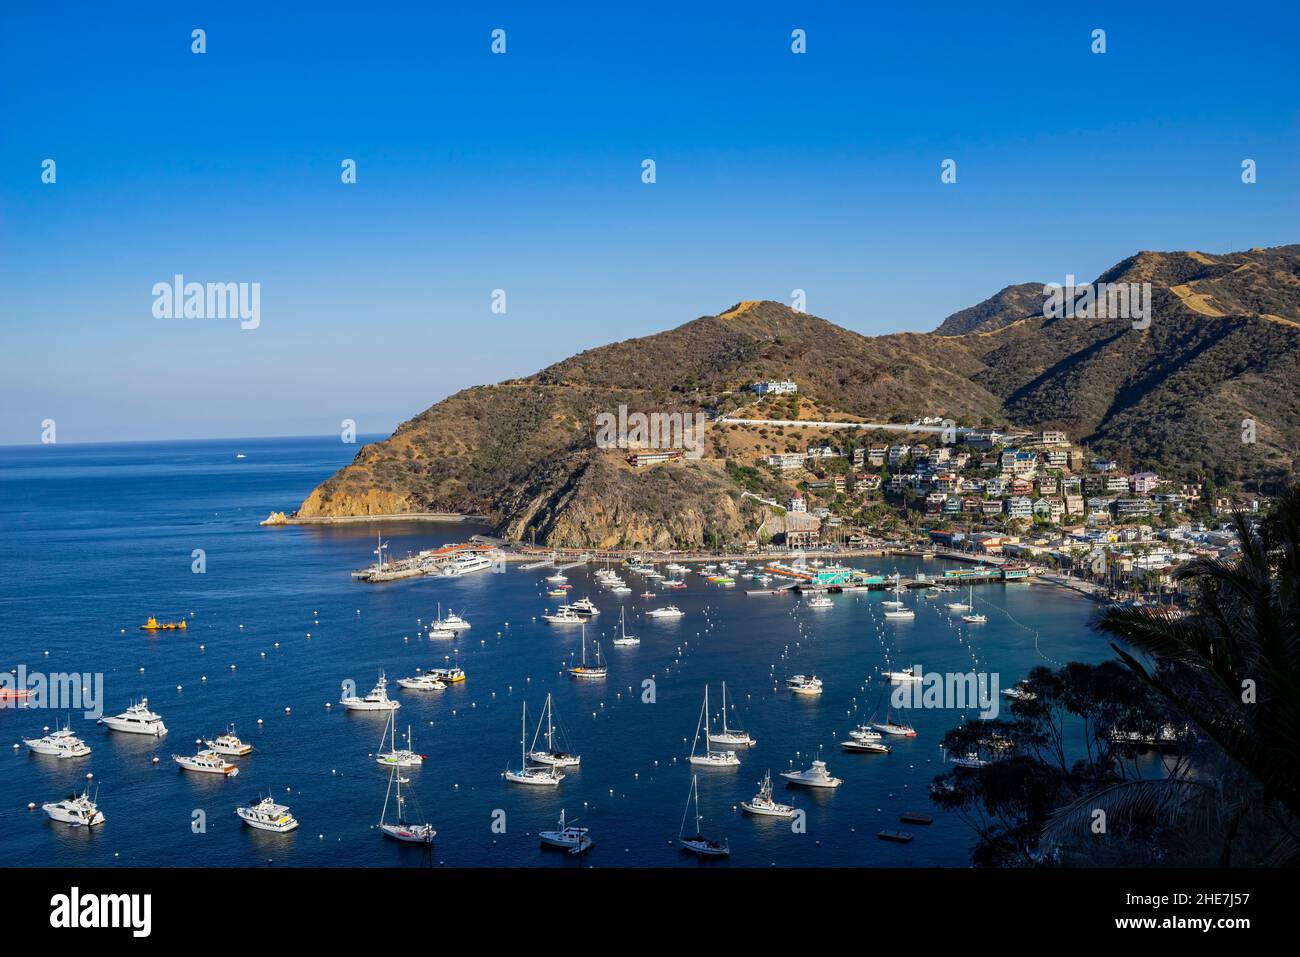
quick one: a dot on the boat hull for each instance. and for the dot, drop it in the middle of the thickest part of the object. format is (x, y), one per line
(407, 834)
(61, 816)
(155, 729)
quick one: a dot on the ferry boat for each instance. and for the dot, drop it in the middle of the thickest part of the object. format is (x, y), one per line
(376, 700)
(547, 776)
(426, 682)
(815, 777)
(709, 758)
(137, 719)
(229, 744)
(585, 606)
(624, 639)
(153, 624)
(564, 615)
(61, 743)
(762, 803)
(266, 815)
(466, 564)
(584, 670)
(804, 684)
(697, 843)
(730, 736)
(573, 839)
(668, 611)
(76, 809)
(551, 755)
(206, 761)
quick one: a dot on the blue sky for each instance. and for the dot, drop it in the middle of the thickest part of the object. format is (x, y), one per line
(522, 172)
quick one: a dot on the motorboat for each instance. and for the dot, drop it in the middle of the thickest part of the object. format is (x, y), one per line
(819, 601)
(864, 733)
(733, 737)
(971, 759)
(815, 777)
(709, 757)
(137, 719)
(467, 564)
(60, 743)
(448, 675)
(564, 615)
(425, 682)
(571, 838)
(76, 809)
(697, 843)
(453, 621)
(546, 776)
(153, 624)
(556, 757)
(900, 614)
(762, 803)
(668, 611)
(1020, 692)
(206, 761)
(585, 606)
(376, 700)
(901, 677)
(228, 744)
(975, 618)
(265, 815)
(863, 745)
(804, 684)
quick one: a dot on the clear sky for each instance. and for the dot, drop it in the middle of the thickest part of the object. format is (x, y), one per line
(522, 172)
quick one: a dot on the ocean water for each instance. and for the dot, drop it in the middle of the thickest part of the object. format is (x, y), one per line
(97, 538)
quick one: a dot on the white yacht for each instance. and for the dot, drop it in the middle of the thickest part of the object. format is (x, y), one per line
(624, 640)
(453, 621)
(668, 611)
(61, 743)
(901, 677)
(548, 776)
(762, 803)
(733, 737)
(557, 757)
(585, 670)
(206, 761)
(467, 563)
(229, 744)
(697, 843)
(76, 809)
(975, 618)
(401, 829)
(709, 758)
(564, 615)
(1020, 692)
(819, 601)
(585, 606)
(266, 815)
(426, 682)
(815, 777)
(573, 839)
(137, 719)
(864, 744)
(864, 733)
(972, 759)
(376, 700)
(396, 757)
(900, 614)
(804, 684)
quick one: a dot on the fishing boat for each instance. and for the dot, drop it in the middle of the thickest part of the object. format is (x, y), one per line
(668, 611)
(453, 621)
(449, 675)
(804, 684)
(900, 614)
(815, 777)
(402, 829)
(697, 843)
(208, 762)
(585, 607)
(153, 624)
(624, 639)
(396, 757)
(710, 757)
(762, 803)
(573, 839)
(425, 682)
(61, 743)
(556, 757)
(564, 615)
(730, 736)
(376, 700)
(265, 815)
(547, 776)
(137, 719)
(76, 809)
(229, 744)
(583, 670)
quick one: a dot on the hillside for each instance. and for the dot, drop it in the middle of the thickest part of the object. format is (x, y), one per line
(1223, 345)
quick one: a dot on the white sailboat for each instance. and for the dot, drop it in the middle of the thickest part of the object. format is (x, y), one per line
(698, 843)
(762, 803)
(973, 617)
(401, 829)
(396, 757)
(710, 758)
(624, 639)
(730, 736)
(584, 670)
(551, 755)
(548, 776)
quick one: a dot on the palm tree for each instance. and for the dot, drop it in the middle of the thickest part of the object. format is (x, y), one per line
(1232, 668)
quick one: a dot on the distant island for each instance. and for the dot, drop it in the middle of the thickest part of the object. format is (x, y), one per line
(1195, 407)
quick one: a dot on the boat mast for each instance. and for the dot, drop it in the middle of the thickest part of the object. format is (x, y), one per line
(550, 743)
(724, 707)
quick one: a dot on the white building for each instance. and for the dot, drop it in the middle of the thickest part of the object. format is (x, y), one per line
(775, 387)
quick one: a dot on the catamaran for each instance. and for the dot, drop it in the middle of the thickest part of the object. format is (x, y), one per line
(710, 758)
(137, 719)
(76, 809)
(551, 755)
(624, 639)
(573, 839)
(377, 700)
(589, 671)
(698, 843)
(730, 736)
(61, 743)
(763, 804)
(396, 757)
(229, 744)
(266, 815)
(548, 776)
(401, 829)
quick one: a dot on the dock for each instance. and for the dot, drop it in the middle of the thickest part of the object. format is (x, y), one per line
(900, 837)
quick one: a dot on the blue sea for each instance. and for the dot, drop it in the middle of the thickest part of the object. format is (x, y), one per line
(96, 538)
